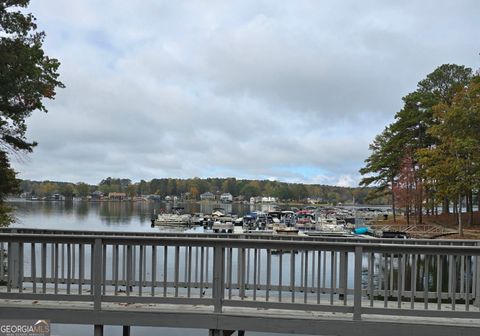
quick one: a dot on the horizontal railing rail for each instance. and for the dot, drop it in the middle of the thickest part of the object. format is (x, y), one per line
(260, 235)
(350, 276)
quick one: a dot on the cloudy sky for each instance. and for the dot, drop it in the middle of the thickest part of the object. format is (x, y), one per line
(287, 90)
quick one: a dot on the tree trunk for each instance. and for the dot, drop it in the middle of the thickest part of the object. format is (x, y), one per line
(460, 224)
(393, 204)
(478, 201)
(446, 206)
(420, 203)
(470, 205)
(407, 209)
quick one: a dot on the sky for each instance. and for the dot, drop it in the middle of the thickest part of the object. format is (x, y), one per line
(292, 91)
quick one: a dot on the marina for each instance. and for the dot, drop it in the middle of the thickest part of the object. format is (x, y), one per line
(314, 221)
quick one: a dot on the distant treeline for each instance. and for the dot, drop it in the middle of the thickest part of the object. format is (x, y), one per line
(194, 187)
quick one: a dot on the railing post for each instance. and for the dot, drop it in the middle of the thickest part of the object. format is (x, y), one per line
(476, 278)
(357, 292)
(14, 260)
(14, 264)
(241, 272)
(343, 275)
(218, 277)
(97, 274)
(98, 330)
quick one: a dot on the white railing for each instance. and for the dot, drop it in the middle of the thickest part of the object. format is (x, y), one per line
(355, 277)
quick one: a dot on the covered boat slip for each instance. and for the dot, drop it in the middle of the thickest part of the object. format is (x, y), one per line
(334, 286)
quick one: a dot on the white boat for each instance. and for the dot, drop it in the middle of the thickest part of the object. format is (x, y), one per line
(220, 226)
(173, 219)
(330, 224)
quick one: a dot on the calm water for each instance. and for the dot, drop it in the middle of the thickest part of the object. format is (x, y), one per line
(109, 216)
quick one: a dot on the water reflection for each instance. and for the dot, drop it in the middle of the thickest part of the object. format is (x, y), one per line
(123, 216)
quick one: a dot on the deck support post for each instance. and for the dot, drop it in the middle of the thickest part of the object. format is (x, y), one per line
(126, 331)
(98, 330)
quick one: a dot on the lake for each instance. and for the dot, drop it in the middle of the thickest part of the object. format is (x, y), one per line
(111, 216)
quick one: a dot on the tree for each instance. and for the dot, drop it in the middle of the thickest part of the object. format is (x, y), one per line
(408, 134)
(406, 188)
(382, 165)
(46, 189)
(143, 187)
(251, 189)
(82, 189)
(67, 190)
(230, 185)
(454, 163)
(8, 184)
(194, 192)
(131, 191)
(27, 77)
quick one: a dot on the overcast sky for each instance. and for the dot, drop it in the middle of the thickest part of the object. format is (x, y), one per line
(287, 90)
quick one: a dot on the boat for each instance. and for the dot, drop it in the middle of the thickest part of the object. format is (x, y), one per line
(219, 221)
(197, 218)
(223, 226)
(175, 218)
(330, 224)
(285, 231)
(305, 220)
(172, 219)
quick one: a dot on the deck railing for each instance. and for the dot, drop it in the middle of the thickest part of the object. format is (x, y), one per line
(255, 235)
(353, 277)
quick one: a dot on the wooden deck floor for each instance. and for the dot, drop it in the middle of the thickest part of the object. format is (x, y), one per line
(238, 318)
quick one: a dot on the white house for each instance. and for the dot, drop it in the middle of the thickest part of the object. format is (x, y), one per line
(268, 199)
(207, 196)
(226, 198)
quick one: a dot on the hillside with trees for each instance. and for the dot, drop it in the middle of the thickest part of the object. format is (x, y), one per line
(193, 188)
